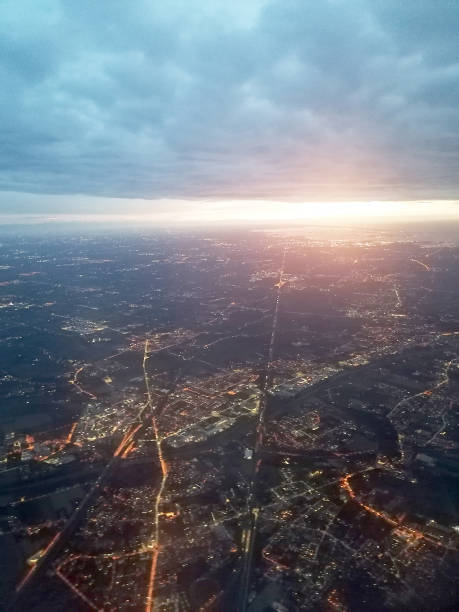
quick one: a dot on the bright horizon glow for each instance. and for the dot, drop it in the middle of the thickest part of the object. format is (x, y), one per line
(192, 212)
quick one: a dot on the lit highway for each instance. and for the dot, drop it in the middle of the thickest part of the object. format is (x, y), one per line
(252, 509)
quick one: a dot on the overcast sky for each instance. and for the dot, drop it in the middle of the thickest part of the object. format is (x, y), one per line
(217, 99)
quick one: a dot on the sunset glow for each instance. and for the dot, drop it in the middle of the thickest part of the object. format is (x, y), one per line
(192, 212)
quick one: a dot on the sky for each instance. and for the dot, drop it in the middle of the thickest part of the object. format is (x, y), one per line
(166, 107)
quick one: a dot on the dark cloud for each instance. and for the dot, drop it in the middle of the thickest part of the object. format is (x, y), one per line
(282, 99)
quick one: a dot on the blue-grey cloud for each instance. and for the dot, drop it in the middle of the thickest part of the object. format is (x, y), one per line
(282, 99)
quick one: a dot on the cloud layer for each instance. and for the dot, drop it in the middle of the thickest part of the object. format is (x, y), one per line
(275, 99)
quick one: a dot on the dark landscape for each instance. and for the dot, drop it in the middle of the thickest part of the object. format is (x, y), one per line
(229, 420)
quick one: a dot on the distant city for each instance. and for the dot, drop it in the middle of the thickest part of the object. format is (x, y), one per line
(240, 420)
